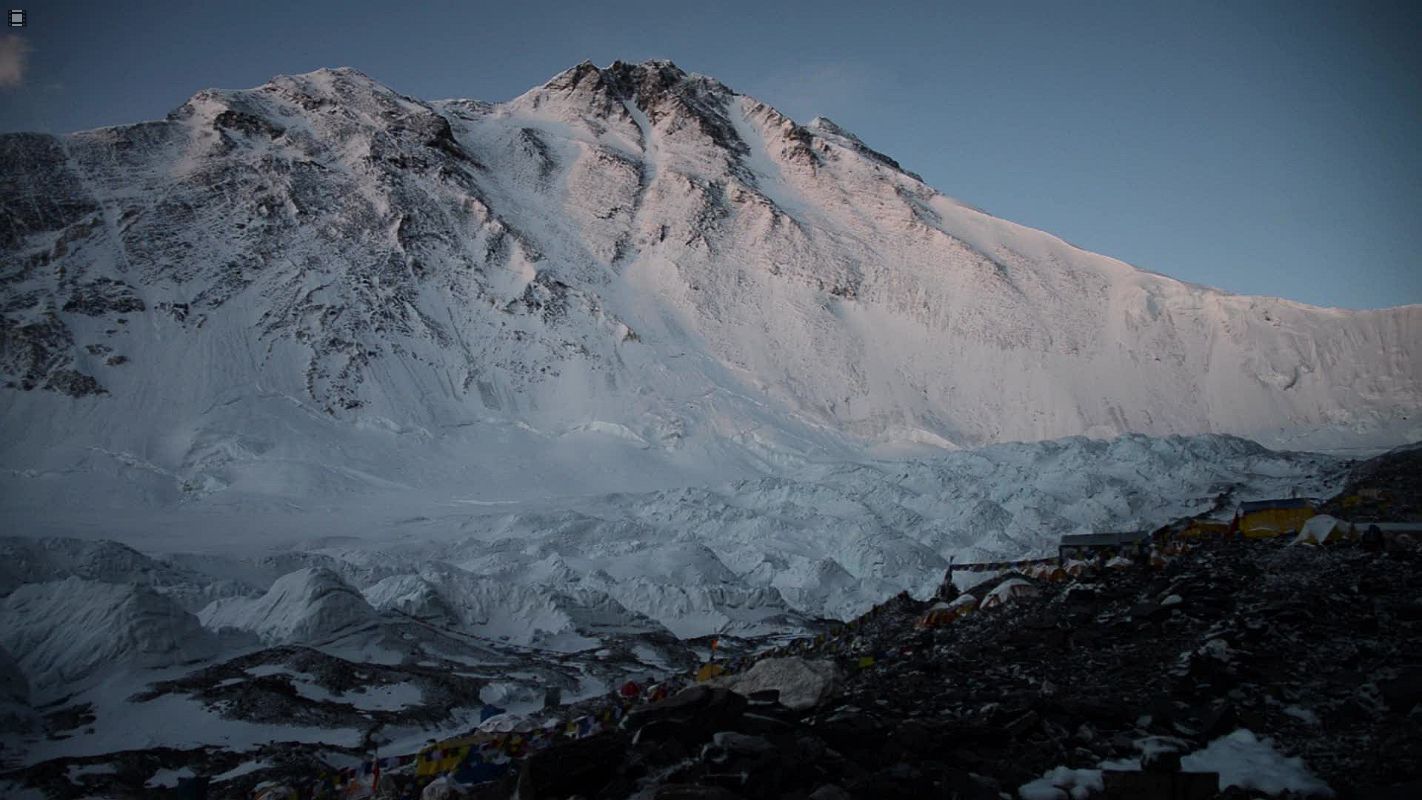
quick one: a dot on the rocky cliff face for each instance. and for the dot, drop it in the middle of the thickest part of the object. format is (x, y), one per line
(629, 260)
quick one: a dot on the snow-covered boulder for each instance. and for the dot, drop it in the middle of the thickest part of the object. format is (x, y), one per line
(62, 631)
(802, 683)
(308, 605)
(1251, 762)
(441, 788)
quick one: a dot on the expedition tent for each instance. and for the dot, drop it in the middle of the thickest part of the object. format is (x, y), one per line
(1264, 519)
(1009, 591)
(1323, 529)
(944, 613)
(1205, 529)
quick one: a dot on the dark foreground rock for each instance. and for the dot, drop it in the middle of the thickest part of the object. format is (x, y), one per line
(1315, 649)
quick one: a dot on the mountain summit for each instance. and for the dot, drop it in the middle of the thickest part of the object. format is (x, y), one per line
(628, 276)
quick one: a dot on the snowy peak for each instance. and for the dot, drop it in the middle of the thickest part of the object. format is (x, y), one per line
(631, 261)
(655, 96)
(649, 84)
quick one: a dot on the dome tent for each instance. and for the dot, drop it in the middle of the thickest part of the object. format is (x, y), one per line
(1009, 591)
(1322, 529)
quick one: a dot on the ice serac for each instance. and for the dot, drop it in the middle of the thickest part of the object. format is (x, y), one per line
(308, 606)
(629, 277)
(24, 561)
(61, 632)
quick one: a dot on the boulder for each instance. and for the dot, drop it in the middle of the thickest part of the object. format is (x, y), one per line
(1404, 691)
(582, 766)
(802, 683)
(757, 764)
(689, 717)
(677, 791)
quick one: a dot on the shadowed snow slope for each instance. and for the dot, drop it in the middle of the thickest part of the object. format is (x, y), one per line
(63, 631)
(629, 277)
(37, 560)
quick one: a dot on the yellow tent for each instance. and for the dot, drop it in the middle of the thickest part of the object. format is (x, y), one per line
(708, 671)
(1266, 519)
(1205, 529)
(939, 614)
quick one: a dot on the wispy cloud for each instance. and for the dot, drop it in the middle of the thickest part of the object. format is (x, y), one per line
(819, 89)
(14, 58)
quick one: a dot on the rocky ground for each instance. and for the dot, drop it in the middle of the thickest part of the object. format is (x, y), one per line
(1316, 649)
(1382, 489)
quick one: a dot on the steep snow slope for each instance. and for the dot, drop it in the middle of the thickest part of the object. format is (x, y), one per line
(629, 277)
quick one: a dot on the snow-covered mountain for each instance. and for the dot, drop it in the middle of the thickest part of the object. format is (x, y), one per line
(629, 277)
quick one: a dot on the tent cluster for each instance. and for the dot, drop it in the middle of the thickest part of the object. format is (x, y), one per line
(1325, 529)
(1052, 572)
(943, 613)
(1007, 592)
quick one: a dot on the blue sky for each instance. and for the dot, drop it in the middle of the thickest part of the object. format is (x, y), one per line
(1261, 147)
